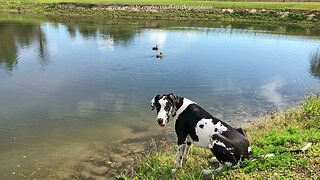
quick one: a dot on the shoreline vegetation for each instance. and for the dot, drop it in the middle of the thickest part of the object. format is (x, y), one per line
(279, 131)
(306, 13)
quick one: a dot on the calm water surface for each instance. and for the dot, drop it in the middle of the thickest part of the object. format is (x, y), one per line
(74, 91)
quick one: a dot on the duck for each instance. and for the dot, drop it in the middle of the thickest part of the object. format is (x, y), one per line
(159, 55)
(155, 48)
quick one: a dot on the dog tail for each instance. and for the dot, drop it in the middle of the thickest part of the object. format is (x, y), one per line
(302, 150)
(292, 151)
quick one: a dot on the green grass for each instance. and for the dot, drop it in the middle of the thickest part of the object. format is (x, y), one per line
(266, 5)
(292, 138)
(83, 8)
(280, 131)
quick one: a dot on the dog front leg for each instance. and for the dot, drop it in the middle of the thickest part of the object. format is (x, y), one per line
(179, 158)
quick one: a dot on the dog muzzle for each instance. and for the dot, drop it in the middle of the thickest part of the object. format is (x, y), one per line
(162, 122)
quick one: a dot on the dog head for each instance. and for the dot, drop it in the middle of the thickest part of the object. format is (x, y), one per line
(165, 104)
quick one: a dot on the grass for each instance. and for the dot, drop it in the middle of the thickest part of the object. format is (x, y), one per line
(224, 4)
(96, 8)
(280, 131)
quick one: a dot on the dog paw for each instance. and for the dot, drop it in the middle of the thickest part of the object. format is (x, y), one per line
(185, 158)
(173, 171)
(214, 160)
(206, 172)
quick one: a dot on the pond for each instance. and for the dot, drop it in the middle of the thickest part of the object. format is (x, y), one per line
(75, 93)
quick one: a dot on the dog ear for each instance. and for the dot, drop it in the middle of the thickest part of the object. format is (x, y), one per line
(153, 102)
(174, 99)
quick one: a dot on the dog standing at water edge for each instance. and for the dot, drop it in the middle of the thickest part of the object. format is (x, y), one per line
(195, 125)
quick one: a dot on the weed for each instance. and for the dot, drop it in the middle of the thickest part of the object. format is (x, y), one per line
(298, 17)
(311, 108)
(123, 177)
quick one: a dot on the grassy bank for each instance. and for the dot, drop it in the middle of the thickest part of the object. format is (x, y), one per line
(222, 4)
(279, 131)
(257, 12)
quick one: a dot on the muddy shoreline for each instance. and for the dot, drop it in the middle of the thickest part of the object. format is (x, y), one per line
(111, 161)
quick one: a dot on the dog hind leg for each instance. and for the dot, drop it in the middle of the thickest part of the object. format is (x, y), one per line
(186, 150)
(222, 148)
(241, 131)
(214, 160)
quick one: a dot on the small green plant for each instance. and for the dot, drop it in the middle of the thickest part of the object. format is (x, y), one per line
(157, 167)
(122, 177)
(311, 111)
(298, 17)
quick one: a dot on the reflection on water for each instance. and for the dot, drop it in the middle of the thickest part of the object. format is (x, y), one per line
(74, 95)
(315, 64)
(116, 35)
(272, 94)
(19, 35)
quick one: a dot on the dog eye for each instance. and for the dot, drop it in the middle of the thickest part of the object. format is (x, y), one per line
(167, 107)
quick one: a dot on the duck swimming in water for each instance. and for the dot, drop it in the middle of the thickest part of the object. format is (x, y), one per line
(155, 48)
(159, 55)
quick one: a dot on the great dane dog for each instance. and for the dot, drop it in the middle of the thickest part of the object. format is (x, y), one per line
(194, 125)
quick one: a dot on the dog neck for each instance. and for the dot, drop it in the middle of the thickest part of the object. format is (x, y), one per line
(180, 105)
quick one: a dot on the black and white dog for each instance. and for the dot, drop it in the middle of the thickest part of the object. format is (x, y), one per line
(193, 124)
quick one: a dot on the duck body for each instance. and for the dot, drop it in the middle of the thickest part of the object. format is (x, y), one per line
(155, 48)
(159, 55)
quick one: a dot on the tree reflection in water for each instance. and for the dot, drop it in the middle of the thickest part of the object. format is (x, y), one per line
(16, 35)
(118, 33)
(13, 36)
(315, 64)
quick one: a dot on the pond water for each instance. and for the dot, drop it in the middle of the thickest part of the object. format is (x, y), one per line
(75, 94)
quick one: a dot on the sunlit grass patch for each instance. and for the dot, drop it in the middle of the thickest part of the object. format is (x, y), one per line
(220, 4)
(291, 139)
(160, 164)
(311, 111)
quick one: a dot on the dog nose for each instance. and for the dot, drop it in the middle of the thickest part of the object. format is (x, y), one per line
(160, 121)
